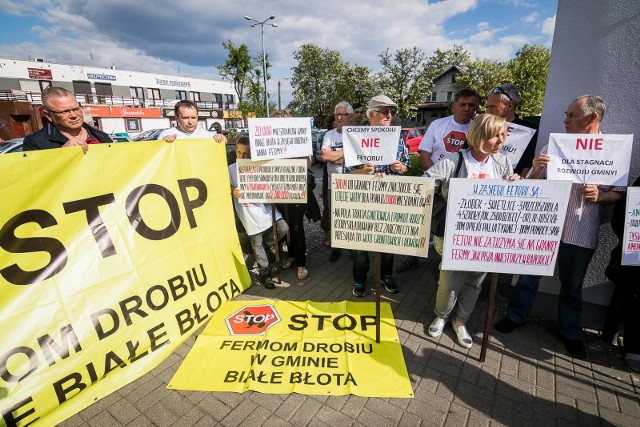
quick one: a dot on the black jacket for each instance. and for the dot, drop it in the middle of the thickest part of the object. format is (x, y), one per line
(50, 137)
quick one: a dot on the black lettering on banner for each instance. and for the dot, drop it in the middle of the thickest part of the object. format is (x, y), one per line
(62, 389)
(94, 220)
(67, 336)
(135, 217)
(13, 244)
(12, 421)
(29, 353)
(97, 324)
(190, 205)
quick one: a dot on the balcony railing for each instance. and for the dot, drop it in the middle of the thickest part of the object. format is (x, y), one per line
(36, 98)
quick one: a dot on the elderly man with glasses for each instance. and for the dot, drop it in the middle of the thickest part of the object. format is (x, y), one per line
(448, 134)
(64, 124)
(502, 101)
(380, 112)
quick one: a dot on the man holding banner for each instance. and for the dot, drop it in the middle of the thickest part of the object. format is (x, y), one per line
(380, 111)
(186, 113)
(579, 237)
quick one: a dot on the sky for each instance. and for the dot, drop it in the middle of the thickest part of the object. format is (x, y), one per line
(185, 37)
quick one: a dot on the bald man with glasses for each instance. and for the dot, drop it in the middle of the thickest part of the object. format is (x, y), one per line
(63, 124)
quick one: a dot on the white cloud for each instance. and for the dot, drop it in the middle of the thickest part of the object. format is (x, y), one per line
(530, 17)
(483, 25)
(549, 27)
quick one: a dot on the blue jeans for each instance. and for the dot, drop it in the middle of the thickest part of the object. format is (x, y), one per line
(573, 262)
(361, 265)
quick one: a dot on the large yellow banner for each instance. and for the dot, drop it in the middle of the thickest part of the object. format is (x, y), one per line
(325, 348)
(108, 261)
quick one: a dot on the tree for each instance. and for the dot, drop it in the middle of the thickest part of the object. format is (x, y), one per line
(441, 60)
(315, 81)
(528, 70)
(404, 79)
(481, 75)
(356, 85)
(237, 68)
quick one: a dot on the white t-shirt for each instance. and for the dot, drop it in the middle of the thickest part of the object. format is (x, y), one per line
(198, 133)
(486, 170)
(255, 217)
(444, 136)
(332, 140)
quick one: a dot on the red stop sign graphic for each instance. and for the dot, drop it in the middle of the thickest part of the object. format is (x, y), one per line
(252, 320)
(454, 141)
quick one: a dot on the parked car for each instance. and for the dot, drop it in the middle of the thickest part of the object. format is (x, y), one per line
(11, 146)
(316, 143)
(411, 137)
(148, 135)
(119, 138)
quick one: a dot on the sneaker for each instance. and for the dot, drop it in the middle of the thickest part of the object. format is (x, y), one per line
(389, 284)
(436, 327)
(507, 325)
(359, 290)
(335, 254)
(575, 348)
(267, 282)
(273, 268)
(464, 339)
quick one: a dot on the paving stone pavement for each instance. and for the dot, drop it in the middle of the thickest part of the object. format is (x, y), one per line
(528, 379)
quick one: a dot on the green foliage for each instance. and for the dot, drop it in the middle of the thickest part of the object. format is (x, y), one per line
(404, 79)
(482, 75)
(237, 68)
(528, 70)
(416, 168)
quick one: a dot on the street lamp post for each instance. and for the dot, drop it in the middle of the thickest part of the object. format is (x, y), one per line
(264, 58)
(279, 99)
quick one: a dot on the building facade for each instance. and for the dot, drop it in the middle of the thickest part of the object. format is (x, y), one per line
(120, 100)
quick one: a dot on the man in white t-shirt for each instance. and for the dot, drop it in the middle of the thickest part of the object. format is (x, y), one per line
(186, 113)
(448, 134)
(333, 156)
(256, 218)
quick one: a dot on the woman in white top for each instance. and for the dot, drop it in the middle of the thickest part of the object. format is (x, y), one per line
(460, 289)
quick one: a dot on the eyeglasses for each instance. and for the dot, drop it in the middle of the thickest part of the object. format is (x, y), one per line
(386, 112)
(64, 113)
(338, 115)
(498, 90)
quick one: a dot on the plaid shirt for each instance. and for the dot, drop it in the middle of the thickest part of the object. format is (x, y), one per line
(402, 154)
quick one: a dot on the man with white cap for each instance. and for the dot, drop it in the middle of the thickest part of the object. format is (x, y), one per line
(379, 112)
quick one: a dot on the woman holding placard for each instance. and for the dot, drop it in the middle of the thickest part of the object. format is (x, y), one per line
(460, 289)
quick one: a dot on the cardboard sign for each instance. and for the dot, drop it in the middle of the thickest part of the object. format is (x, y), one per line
(504, 226)
(390, 214)
(631, 241)
(377, 145)
(590, 158)
(280, 138)
(273, 181)
(518, 137)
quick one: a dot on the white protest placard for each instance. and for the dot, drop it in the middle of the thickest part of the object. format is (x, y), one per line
(590, 158)
(280, 138)
(518, 138)
(631, 241)
(377, 145)
(273, 181)
(389, 214)
(504, 226)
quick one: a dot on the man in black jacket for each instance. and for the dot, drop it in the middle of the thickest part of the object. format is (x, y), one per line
(63, 124)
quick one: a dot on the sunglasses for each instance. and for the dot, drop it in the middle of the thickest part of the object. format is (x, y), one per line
(386, 111)
(498, 90)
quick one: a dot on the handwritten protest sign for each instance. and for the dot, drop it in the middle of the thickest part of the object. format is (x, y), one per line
(631, 242)
(504, 226)
(377, 145)
(390, 214)
(273, 181)
(518, 138)
(590, 158)
(280, 138)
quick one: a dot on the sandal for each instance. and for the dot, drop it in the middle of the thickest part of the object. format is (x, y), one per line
(303, 274)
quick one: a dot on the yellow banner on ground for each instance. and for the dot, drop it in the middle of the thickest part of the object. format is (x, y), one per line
(325, 348)
(108, 261)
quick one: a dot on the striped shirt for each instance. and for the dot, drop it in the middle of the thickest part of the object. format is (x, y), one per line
(583, 218)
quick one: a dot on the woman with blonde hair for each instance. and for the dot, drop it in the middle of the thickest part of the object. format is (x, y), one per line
(460, 289)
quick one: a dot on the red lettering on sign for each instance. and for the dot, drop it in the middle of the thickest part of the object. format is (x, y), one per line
(370, 142)
(589, 144)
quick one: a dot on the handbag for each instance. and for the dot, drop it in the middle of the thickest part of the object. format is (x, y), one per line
(439, 206)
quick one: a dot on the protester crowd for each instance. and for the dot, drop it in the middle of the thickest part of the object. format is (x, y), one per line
(462, 145)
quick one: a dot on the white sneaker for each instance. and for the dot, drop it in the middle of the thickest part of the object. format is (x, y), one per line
(464, 339)
(436, 327)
